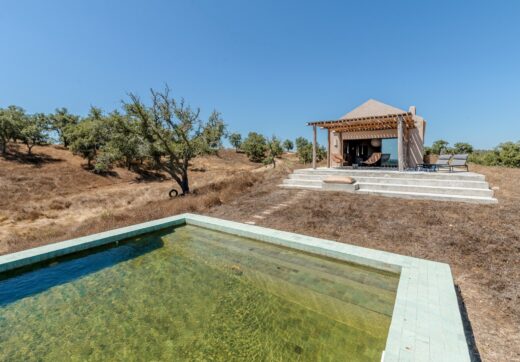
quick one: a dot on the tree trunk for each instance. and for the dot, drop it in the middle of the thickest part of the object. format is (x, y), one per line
(185, 186)
(29, 147)
(4, 147)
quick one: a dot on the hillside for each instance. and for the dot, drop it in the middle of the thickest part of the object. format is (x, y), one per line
(52, 197)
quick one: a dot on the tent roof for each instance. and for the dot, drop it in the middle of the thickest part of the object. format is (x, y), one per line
(372, 108)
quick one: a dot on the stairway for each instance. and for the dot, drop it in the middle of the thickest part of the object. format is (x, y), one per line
(442, 186)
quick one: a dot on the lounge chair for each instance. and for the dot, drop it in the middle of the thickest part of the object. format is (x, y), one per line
(336, 157)
(459, 161)
(385, 160)
(443, 161)
(373, 159)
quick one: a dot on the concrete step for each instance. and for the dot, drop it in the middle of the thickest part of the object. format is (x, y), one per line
(441, 175)
(428, 196)
(403, 181)
(440, 190)
(302, 182)
(297, 186)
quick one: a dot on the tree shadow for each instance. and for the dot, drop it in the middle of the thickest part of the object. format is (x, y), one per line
(144, 175)
(474, 354)
(35, 159)
(108, 173)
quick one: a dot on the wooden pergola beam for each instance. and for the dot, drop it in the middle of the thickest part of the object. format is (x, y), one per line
(372, 123)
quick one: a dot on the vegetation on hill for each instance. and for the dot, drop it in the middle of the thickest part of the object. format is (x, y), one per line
(506, 154)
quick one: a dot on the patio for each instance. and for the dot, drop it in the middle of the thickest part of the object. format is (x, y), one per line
(441, 186)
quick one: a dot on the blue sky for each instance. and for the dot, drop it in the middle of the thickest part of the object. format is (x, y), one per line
(272, 66)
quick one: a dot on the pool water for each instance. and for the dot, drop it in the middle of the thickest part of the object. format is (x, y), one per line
(195, 294)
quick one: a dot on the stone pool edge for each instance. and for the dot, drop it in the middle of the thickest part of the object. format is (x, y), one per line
(426, 323)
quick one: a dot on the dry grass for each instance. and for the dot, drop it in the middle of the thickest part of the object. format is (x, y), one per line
(480, 242)
(56, 199)
(52, 198)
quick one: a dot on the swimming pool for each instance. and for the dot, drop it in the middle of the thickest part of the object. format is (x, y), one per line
(192, 287)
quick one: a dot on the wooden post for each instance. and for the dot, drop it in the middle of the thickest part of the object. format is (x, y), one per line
(314, 147)
(400, 144)
(328, 147)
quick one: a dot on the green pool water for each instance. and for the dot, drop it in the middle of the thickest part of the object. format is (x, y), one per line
(194, 294)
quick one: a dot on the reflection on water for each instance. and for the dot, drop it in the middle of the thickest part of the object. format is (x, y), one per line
(196, 294)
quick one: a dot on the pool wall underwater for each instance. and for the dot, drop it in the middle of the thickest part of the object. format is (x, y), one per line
(426, 322)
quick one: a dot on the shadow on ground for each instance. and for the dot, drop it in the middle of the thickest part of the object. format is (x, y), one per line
(474, 354)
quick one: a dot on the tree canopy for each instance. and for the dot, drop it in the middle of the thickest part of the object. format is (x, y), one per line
(174, 132)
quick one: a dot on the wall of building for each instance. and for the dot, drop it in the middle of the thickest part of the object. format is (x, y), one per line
(416, 142)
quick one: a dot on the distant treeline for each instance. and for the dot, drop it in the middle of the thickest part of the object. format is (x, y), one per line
(164, 134)
(261, 149)
(506, 154)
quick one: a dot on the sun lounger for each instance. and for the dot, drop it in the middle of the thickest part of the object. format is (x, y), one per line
(443, 161)
(372, 160)
(336, 157)
(459, 161)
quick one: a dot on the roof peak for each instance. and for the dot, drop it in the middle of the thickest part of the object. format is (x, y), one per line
(372, 107)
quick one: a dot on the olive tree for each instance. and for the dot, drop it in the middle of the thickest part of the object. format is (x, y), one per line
(33, 130)
(125, 143)
(274, 151)
(304, 150)
(255, 146)
(174, 130)
(439, 147)
(62, 123)
(11, 120)
(236, 140)
(288, 145)
(88, 136)
(462, 148)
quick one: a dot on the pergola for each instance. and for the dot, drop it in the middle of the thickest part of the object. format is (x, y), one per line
(401, 122)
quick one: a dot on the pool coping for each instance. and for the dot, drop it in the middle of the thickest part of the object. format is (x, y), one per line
(426, 322)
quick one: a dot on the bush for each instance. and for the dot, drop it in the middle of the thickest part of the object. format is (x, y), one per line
(274, 151)
(255, 147)
(439, 147)
(236, 140)
(304, 151)
(288, 145)
(462, 148)
(506, 154)
(509, 154)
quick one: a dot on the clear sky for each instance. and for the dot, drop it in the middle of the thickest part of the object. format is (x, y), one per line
(272, 66)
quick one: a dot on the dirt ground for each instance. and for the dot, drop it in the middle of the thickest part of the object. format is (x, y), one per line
(56, 199)
(480, 242)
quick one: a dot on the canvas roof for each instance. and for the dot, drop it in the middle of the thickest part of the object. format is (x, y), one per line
(372, 108)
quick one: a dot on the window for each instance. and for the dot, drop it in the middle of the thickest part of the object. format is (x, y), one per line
(389, 146)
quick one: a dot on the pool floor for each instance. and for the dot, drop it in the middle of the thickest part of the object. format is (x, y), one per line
(194, 294)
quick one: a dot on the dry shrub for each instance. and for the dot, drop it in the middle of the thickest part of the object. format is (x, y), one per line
(211, 199)
(60, 204)
(27, 214)
(201, 200)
